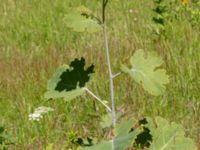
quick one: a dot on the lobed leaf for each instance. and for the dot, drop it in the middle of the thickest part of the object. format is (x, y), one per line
(68, 82)
(168, 136)
(145, 72)
(123, 128)
(123, 139)
(81, 22)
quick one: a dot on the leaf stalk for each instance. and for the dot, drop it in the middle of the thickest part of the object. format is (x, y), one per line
(98, 99)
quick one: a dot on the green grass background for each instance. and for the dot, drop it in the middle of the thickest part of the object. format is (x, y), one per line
(34, 41)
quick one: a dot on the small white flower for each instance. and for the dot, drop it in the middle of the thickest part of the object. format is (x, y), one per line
(37, 114)
(130, 11)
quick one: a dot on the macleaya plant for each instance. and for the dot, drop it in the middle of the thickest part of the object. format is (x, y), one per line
(70, 81)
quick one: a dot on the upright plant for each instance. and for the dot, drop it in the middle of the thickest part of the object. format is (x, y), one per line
(70, 81)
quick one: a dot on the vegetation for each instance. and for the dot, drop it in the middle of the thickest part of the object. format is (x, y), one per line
(34, 43)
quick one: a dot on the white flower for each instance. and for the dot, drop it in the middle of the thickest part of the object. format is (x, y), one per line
(130, 11)
(37, 114)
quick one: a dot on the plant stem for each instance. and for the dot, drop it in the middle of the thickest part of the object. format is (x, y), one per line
(110, 76)
(97, 98)
(105, 2)
(116, 75)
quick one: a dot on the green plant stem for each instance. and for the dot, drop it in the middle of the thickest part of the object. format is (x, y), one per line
(105, 2)
(110, 76)
(112, 95)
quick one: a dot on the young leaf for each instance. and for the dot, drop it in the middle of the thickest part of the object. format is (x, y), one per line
(145, 71)
(106, 120)
(168, 136)
(81, 23)
(69, 81)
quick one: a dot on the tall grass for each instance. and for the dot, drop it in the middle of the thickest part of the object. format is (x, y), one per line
(34, 41)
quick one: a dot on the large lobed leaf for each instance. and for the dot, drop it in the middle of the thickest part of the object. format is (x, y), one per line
(123, 139)
(144, 70)
(165, 136)
(168, 136)
(68, 82)
(81, 21)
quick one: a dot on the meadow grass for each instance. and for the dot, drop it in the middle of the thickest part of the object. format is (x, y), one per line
(34, 41)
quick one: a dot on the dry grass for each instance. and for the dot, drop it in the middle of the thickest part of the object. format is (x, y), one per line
(25, 69)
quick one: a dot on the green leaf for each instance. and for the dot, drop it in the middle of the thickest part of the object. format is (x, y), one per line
(121, 141)
(68, 82)
(168, 136)
(66, 95)
(145, 71)
(81, 23)
(118, 143)
(124, 127)
(144, 138)
(106, 120)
